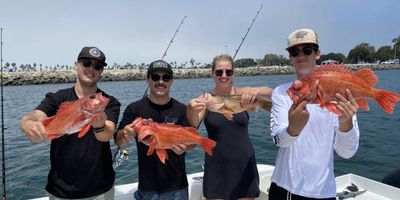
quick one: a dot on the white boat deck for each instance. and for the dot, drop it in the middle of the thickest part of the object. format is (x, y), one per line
(374, 190)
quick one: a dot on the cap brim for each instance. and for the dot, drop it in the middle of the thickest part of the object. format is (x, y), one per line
(305, 42)
(103, 63)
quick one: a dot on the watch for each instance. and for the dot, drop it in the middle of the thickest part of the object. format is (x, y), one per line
(99, 129)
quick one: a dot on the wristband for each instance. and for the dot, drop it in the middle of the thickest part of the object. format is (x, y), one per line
(99, 129)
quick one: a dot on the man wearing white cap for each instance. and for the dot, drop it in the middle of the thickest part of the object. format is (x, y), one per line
(308, 135)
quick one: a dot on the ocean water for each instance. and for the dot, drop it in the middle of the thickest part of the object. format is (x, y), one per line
(27, 163)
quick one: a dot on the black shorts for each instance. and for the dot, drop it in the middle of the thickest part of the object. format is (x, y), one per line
(278, 193)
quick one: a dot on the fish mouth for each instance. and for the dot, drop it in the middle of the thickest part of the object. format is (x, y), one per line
(88, 112)
(145, 137)
(136, 122)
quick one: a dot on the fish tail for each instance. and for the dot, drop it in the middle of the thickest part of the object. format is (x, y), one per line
(267, 106)
(387, 100)
(207, 145)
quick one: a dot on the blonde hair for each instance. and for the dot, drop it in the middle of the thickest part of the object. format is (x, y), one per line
(222, 57)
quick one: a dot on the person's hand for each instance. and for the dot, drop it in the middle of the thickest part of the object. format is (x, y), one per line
(128, 133)
(35, 131)
(179, 149)
(298, 118)
(99, 120)
(348, 107)
(248, 98)
(198, 104)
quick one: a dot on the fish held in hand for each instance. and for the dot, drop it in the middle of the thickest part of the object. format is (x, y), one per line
(321, 86)
(230, 104)
(75, 116)
(162, 136)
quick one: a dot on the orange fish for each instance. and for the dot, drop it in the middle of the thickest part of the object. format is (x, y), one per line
(332, 79)
(160, 137)
(74, 116)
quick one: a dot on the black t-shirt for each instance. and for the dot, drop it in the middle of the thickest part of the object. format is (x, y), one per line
(153, 174)
(80, 167)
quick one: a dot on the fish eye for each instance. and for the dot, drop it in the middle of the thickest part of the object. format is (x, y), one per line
(297, 84)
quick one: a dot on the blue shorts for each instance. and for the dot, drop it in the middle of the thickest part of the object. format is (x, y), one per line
(173, 195)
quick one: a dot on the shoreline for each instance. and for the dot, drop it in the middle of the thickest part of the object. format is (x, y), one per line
(54, 77)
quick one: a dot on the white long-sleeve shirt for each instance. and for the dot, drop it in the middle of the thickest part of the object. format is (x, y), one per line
(304, 164)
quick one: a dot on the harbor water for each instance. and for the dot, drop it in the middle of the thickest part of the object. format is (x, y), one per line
(27, 164)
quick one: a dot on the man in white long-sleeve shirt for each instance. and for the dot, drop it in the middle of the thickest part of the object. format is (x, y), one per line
(308, 135)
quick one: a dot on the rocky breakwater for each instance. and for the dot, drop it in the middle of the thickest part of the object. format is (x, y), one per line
(35, 78)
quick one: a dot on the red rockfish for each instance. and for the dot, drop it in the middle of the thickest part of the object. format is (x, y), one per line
(332, 79)
(160, 137)
(74, 116)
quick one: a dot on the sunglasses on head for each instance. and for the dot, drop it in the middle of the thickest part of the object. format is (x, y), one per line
(88, 63)
(157, 77)
(220, 72)
(294, 51)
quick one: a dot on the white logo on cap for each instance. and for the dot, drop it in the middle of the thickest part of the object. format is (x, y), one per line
(301, 34)
(94, 52)
(161, 64)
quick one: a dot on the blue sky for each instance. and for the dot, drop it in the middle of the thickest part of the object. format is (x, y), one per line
(52, 32)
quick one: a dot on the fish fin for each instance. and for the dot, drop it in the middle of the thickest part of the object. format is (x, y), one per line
(387, 100)
(332, 108)
(207, 145)
(367, 75)
(48, 120)
(333, 67)
(84, 130)
(152, 146)
(162, 155)
(363, 104)
(229, 116)
(65, 105)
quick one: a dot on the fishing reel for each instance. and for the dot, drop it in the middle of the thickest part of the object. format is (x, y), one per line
(121, 156)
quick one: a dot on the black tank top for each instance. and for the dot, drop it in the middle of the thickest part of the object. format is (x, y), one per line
(231, 172)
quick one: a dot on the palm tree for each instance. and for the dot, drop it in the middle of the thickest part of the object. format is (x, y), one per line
(395, 41)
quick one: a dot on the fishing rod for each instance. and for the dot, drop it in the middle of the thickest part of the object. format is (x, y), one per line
(122, 155)
(172, 40)
(248, 29)
(166, 50)
(2, 118)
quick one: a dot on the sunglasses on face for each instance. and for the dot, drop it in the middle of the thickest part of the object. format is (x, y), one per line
(88, 63)
(157, 77)
(220, 72)
(294, 51)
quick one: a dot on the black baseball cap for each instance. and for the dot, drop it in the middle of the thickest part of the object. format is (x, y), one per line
(93, 53)
(160, 66)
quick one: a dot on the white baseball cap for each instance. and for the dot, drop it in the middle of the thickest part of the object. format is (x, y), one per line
(302, 36)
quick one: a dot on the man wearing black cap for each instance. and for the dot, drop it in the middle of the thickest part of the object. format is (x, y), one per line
(80, 167)
(158, 180)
